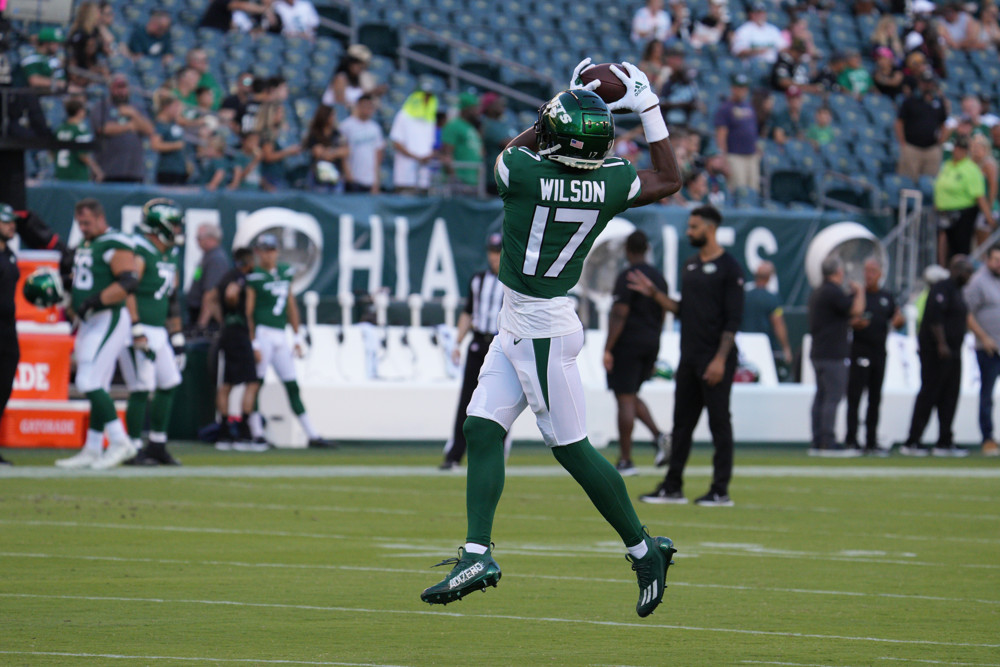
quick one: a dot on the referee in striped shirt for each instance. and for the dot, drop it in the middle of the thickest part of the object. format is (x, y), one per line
(482, 307)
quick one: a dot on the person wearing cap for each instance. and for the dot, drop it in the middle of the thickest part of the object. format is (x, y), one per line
(480, 316)
(631, 350)
(887, 77)
(234, 104)
(736, 135)
(152, 39)
(44, 68)
(461, 142)
(299, 18)
(790, 123)
(413, 133)
(9, 275)
(855, 79)
(757, 39)
(959, 197)
(270, 307)
(496, 131)
(120, 129)
(826, 79)
(352, 79)
(792, 69)
(651, 21)
(919, 129)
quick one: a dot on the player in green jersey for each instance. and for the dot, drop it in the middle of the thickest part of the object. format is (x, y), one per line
(559, 189)
(156, 358)
(103, 276)
(270, 307)
(76, 165)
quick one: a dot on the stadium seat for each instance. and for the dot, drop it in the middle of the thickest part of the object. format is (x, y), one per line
(436, 51)
(382, 39)
(794, 185)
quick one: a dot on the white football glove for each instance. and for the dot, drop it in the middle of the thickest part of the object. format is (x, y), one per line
(639, 95)
(576, 82)
(179, 345)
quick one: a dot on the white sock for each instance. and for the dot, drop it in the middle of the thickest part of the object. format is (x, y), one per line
(307, 426)
(256, 424)
(94, 442)
(157, 437)
(116, 432)
(639, 551)
(473, 548)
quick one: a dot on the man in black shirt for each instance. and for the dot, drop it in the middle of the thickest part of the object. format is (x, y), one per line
(830, 313)
(919, 122)
(10, 353)
(868, 356)
(630, 352)
(939, 340)
(235, 351)
(710, 312)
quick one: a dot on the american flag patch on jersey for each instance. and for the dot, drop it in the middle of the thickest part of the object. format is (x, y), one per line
(575, 143)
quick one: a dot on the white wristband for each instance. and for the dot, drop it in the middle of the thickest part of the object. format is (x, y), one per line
(138, 331)
(255, 345)
(653, 125)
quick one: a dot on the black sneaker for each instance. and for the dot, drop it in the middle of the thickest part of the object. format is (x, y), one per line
(910, 449)
(663, 497)
(322, 443)
(626, 468)
(449, 466)
(713, 499)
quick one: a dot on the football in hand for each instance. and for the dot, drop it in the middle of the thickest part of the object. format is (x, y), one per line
(611, 89)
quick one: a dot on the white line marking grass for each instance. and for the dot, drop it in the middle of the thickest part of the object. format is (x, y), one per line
(507, 617)
(255, 661)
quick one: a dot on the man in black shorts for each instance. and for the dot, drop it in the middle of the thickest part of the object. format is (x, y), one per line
(235, 354)
(631, 349)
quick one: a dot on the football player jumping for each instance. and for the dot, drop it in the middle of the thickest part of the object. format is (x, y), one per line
(560, 188)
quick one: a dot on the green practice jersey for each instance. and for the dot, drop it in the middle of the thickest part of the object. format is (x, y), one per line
(157, 283)
(552, 214)
(272, 290)
(69, 166)
(92, 265)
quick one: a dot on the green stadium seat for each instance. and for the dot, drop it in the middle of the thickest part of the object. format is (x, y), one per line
(382, 39)
(436, 51)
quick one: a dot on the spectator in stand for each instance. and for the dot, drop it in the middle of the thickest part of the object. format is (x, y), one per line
(214, 168)
(413, 133)
(971, 114)
(43, 69)
(109, 42)
(982, 296)
(234, 105)
(925, 38)
(120, 129)
(695, 192)
(913, 69)
(74, 165)
(919, 124)
(820, 133)
(939, 341)
(736, 135)
(366, 146)
(352, 79)
(260, 20)
(298, 18)
(246, 165)
(497, 133)
(651, 22)
(712, 28)
(680, 96)
(197, 59)
(680, 20)
(959, 30)
(990, 25)
(886, 35)
(855, 79)
(827, 77)
(979, 152)
(461, 142)
(790, 123)
(219, 13)
(716, 170)
(85, 48)
(260, 96)
(757, 39)
(762, 102)
(959, 198)
(763, 313)
(168, 141)
(153, 39)
(831, 310)
(185, 85)
(798, 31)
(328, 152)
(214, 264)
(271, 125)
(792, 69)
(653, 65)
(887, 77)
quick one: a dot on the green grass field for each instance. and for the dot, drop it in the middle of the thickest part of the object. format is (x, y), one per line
(318, 558)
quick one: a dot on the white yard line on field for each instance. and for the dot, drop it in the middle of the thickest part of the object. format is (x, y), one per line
(943, 662)
(506, 617)
(254, 661)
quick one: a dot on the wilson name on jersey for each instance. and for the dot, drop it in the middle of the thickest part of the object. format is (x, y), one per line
(272, 290)
(157, 283)
(552, 216)
(92, 265)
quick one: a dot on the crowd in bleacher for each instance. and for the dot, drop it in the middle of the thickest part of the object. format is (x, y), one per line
(764, 99)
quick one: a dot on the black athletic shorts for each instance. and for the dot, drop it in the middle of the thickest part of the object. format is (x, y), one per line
(633, 366)
(236, 355)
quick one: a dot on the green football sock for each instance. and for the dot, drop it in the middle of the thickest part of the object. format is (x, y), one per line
(604, 486)
(102, 409)
(292, 388)
(485, 478)
(159, 411)
(135, 413)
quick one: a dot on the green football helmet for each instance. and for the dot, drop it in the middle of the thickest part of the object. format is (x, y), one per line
(43, 287)
(576, 129)
(161, 217)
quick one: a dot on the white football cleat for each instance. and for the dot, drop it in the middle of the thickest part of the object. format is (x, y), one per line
(115, 455)
(84, 458)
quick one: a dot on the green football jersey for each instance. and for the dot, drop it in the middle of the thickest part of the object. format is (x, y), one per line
(69, 166)
(273, 289)
(157, 283)
(552, 214)
(92, 266)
